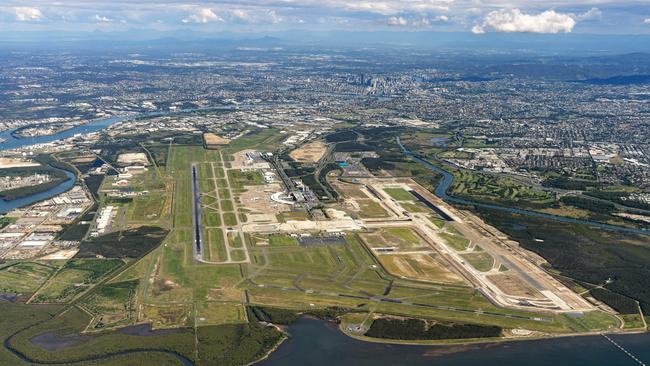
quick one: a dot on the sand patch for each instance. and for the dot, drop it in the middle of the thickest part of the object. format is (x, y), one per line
(309, 153)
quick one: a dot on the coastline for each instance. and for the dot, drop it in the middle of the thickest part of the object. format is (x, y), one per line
(285, 336)
(481, 341)
(72, 177)
(16, 133)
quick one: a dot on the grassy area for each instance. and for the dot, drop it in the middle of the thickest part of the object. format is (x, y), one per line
(23, 278)
(456, 242)
(226, 205)
(481, 261)
(210, 218)
(399, 194)
(488, 188)
(75, 277)
(215, 312)
(215, 250)
(280, 240)
(112, 304)
(440, 223)
(230, 219)
(371, 210)
(239, 179)
(269, 138)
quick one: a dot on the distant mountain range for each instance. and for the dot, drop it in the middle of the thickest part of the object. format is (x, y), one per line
(618, 80)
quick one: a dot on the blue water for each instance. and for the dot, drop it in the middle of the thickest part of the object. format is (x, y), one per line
(93, 126)
(6, 206)
(315, 343)
(14, 143)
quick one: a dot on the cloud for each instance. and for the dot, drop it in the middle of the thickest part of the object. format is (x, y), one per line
(397, 21)
(593, 13)
(477, 29)
(241, 14)
(513, 20)
(203, 15)
(389, 7)
(26, 14)
(102, 19)
(647, 21)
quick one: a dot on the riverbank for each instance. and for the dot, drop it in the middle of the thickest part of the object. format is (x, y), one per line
(274, 348)
(317, 343)
(27, 196)
(442, 191)
(481, 341)
(55, 128)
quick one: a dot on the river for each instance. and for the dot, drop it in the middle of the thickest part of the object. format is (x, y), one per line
(6, 206)
(10, 142)
(447, 179)
(317, 343)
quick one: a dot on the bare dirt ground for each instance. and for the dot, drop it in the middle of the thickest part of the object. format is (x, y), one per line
(16, 163)
(420, 266)
(513, 285)
(212, 139)
(309, 153)
(133, 158)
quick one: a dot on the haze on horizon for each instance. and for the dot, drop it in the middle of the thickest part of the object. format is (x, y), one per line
(476, 17)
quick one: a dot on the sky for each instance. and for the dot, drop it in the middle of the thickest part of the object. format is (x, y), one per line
(254, 16)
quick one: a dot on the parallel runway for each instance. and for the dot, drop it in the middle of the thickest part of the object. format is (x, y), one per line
(196, 216)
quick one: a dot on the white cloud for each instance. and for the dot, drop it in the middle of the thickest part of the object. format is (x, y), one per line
(415, 22)
(647, 21)
(25, 14)
(593, 13)
(203, 15)
(101, 19)
(513, 20)
(477, 29)
(241, 14)
(397, 21)
(390, 7)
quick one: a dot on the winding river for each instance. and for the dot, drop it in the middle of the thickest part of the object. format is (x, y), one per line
(10, 143)
(317, 343)
(6, 206)
(448, 178)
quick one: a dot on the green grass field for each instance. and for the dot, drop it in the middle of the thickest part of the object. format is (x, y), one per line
(279, 240)
(481, 261)
(23, 278)
(75, 277)
(456, 242)
(399, 194)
